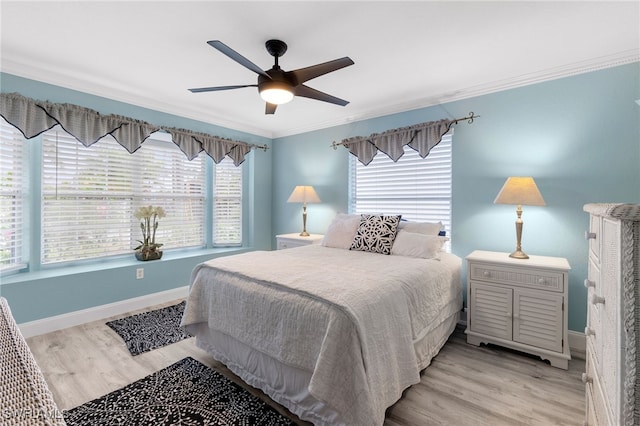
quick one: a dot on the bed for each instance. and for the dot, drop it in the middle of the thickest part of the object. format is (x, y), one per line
(334, 335)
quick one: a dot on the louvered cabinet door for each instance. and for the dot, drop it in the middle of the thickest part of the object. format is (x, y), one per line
(537, 319)
(491, 310)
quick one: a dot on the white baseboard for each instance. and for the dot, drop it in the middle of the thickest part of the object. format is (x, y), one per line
(71, 319)
(577, 344)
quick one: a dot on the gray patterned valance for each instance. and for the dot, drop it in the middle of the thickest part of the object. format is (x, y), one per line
(421, 137)
(33, 117)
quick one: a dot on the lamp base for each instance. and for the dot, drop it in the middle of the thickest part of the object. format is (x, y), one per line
(304, 234)
(519, 254)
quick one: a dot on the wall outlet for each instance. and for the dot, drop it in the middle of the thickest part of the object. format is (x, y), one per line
(139, 273)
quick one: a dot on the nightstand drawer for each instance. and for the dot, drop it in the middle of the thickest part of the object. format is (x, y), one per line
(287, 241)
(553, 281)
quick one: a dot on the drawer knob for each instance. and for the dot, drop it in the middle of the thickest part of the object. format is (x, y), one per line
(486, 274)
(595, 299)
(588, 283)
(589, 235)
(588, 331)
(586, 379)
(540, 280)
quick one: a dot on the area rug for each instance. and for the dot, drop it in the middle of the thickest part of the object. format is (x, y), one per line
(151, 330)
(185, 393)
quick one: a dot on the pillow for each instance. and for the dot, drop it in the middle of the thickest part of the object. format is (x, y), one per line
(412, 244)
(376, 233)
(341, 231)
(426, 228)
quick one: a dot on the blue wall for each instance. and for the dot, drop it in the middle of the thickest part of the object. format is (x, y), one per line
(579, 137)
(54, 291)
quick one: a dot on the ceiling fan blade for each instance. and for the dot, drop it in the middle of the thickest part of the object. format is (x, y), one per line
(217, 44)
(270, 108)
(218, 88)
(305, 74)
(308, 92)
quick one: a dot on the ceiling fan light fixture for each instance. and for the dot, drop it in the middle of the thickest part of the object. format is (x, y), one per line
(276, 92)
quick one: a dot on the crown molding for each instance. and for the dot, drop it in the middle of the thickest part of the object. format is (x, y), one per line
(596, 64)
(88, 84)
(107, 89)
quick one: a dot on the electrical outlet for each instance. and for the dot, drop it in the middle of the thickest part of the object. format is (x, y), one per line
(139, 273)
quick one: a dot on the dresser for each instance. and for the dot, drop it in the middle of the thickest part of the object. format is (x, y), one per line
(285, 241)
(611, 379)
(519, 303)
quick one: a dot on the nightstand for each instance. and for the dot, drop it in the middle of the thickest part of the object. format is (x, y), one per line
(285, 241)
(519, 303)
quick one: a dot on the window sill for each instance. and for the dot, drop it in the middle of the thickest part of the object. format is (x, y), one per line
(119, 262)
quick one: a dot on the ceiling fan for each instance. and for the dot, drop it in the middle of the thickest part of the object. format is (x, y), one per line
(277, 86)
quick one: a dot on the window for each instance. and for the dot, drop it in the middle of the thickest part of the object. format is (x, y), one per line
(89, 196)
(417, 188)
(227, 204)
(13, 190)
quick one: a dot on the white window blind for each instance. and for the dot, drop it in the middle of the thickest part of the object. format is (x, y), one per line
(227, 204)
(417, 188)
(89, 196)
(13, 191)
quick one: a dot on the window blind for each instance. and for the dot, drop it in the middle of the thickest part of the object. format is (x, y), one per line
(227, 204)
(89, 196)
(417, 188)
(13, 191)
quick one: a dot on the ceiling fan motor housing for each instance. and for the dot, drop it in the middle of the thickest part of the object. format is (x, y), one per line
(276, 48)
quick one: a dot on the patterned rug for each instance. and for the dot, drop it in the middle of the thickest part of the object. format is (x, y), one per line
(185, 393)
(151, 330)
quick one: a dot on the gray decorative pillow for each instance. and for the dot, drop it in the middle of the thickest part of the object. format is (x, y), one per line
(376, 233)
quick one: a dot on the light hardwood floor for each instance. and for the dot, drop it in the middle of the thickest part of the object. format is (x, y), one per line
(465, 385)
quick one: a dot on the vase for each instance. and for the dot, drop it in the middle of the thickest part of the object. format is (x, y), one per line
(147, 254)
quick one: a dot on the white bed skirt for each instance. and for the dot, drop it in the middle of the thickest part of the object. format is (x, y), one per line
(288, 385)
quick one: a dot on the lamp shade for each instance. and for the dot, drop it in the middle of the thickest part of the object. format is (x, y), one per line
(520, 191)
(303, 194)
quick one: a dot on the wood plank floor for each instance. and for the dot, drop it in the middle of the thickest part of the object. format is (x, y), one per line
(465, 385)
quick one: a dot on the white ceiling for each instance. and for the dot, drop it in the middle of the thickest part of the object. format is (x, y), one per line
(407, 54)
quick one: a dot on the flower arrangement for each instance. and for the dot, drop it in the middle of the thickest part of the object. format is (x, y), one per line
(148, 248)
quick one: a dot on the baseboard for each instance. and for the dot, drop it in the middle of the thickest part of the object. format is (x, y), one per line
(577, 344)
(71, 319)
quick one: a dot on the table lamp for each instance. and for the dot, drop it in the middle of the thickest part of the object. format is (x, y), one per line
(304, 195)
(519, 191)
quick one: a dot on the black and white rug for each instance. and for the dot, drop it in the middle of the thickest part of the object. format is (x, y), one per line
(151, 330)
(185, 393)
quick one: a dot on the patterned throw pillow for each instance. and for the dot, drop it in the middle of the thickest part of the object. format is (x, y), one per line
(376, 233)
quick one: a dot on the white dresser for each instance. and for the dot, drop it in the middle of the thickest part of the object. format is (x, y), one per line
(613, 315)
(519, 303)
(285, 241)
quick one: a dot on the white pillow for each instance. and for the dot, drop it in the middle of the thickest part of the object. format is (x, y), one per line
(426, 228)
(342, 230)
(412, 244)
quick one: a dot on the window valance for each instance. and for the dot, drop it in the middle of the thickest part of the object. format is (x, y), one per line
(420, 137)
(33, 117)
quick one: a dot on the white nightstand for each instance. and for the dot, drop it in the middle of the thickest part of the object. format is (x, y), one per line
(519, 303)
(285, 241)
